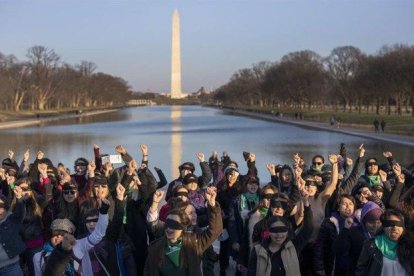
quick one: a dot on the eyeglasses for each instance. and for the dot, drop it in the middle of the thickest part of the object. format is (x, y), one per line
(317, 163)
(72, 192)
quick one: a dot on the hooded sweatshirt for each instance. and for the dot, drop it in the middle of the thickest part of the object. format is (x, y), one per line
(369, 206)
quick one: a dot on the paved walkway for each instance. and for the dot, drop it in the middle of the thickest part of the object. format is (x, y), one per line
(32, 122)
(360, 132)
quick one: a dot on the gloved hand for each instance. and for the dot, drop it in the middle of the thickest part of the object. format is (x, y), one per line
(103, 209)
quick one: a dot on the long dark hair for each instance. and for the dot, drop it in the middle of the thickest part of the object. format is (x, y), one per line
(405, 245)
(69, 210)
(187, 243)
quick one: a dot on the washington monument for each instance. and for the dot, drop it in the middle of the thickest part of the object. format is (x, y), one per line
(176, 92)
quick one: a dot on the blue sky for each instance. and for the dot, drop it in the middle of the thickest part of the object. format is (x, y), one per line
(132, 39)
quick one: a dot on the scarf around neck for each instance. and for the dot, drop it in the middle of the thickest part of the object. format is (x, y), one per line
(173, 251)
(263, 211)
(387, 247)
(248, 201)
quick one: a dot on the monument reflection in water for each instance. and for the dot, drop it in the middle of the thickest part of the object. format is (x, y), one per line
(176, 138)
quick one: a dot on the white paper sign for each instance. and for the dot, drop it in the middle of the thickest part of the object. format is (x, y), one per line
(113, 158)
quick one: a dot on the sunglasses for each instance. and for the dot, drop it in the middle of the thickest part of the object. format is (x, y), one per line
(317, 163)
(72, 192)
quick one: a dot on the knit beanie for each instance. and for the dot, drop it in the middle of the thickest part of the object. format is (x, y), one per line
(63, 225)
(371, 211)
(372, 215)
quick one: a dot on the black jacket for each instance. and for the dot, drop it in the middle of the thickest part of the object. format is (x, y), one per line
(10, 238)
(370, 261)
(350, 241)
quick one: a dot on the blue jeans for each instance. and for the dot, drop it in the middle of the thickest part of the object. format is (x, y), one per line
(11, 270)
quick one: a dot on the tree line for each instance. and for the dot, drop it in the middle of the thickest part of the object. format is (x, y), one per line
(347, 80)
(43, 82)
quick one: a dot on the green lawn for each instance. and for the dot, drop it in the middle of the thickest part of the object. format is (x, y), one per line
(394, 123)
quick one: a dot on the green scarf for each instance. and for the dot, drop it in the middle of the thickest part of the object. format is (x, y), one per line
(173, 252)
(263, 211)
(374, 180)
(246, 198)
(386, 246)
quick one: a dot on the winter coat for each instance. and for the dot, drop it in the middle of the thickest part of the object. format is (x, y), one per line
(80, 249)
(11, 242)
(350, 241)
(199, 242)
(324, 258)
(371, 259)
(260, 260)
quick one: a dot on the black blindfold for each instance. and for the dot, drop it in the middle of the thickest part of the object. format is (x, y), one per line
(177, 194)
(278, 204)
(278, 229)
(267, 196)
(392, 223)
(175, 225)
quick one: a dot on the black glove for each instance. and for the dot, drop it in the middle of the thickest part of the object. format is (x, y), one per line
(104, 207)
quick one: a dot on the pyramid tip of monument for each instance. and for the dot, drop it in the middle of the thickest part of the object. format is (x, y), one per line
(175, 11)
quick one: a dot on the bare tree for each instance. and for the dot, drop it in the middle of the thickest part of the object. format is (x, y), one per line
(45, 74)
(15, 80)
(343, 64)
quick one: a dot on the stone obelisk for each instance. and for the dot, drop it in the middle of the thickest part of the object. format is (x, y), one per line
(176, 92)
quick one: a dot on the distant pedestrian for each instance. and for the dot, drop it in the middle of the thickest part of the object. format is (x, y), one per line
(383, 125)
(332, 121)
(296, 115)
(376, 125)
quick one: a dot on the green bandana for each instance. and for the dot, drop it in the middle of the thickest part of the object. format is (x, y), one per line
(248, 201)
(374, 180)
(173, 252)
(386, 246)
(263, 211)
(317, 170)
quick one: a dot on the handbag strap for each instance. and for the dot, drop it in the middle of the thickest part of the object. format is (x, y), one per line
(100, 262)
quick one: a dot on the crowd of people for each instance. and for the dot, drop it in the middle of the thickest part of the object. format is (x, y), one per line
(343, 215)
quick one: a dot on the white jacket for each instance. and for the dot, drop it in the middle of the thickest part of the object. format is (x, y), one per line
(80, 250)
